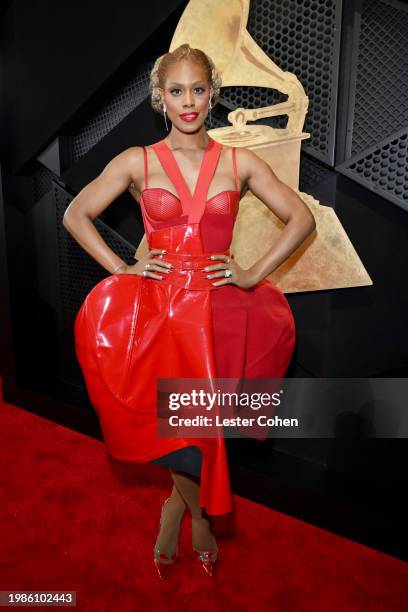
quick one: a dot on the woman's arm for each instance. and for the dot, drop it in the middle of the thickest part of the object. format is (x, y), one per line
(257, 175)
(284, 203)
(95, 197)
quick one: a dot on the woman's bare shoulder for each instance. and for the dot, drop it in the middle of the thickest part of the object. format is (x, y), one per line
(243, 154)
(245, 159)
(133, 154)
(133, 158)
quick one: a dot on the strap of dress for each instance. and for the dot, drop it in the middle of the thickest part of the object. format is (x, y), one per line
(234, 161)
(145, 167)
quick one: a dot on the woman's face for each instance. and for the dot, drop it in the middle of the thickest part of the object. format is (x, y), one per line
(186, 90)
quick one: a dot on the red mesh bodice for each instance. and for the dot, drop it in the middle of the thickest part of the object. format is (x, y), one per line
(161, 208)
(162, 205)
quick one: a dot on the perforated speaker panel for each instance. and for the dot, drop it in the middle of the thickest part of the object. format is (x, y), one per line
(383, 168)
(376, 146)
(123, 100)
(381, 82)
(42, 182)
(78, 271)
(302, 37)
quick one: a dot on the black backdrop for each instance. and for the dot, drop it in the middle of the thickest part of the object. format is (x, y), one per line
(57, 55)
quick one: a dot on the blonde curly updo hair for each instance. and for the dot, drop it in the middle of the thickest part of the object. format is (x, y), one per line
(184, 51)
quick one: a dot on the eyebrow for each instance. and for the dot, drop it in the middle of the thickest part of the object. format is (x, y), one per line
(181, 84)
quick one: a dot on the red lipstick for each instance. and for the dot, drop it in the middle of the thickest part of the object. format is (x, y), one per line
(189, 116)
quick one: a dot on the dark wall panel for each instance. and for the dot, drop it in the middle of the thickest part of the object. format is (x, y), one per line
(59, 54)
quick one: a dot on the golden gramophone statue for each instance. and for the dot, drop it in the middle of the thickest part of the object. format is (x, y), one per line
(326, 259)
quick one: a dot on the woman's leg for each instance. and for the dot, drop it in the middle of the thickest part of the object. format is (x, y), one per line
(188, 487)
(172, 514)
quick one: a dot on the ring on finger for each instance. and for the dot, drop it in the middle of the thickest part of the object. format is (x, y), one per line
(228, 273)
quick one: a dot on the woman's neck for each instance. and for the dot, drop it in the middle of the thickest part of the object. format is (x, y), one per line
(177, 140)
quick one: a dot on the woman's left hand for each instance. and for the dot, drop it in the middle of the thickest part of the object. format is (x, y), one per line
(240, 277)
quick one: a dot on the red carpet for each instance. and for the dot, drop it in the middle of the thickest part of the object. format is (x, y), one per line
(71, 520)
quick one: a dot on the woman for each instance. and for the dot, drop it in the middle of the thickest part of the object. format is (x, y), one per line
(174, 313)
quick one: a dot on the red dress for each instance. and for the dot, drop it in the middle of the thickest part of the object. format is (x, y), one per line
(131, 330)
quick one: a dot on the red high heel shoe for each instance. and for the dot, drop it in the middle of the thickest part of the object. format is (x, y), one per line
(159, 556)
(208, 559)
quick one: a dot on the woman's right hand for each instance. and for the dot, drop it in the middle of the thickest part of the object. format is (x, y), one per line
(148, 267)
